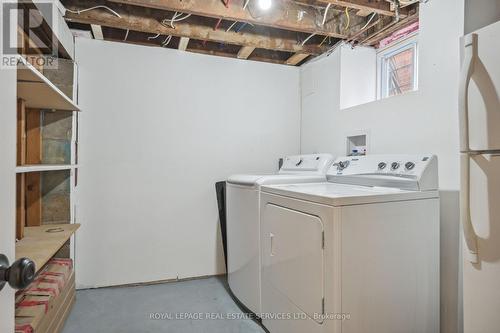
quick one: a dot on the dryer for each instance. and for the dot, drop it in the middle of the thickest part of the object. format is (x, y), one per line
(358, 253)
(243, 232)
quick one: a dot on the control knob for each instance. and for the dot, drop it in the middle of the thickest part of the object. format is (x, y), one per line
(395, 166)
(409, 165)
(341, 165)
(382, 165)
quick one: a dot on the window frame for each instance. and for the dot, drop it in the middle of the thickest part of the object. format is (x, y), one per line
(410, 42)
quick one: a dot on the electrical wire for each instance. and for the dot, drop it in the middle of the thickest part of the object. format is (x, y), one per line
(322, 24)
(166, 41)
(126, 35)
(369, 21)
(78, 12)
(326, 12)
(154, 37)
(324, 40)
(348, 24)
(176, 18)
(307, 39)
(234, 23)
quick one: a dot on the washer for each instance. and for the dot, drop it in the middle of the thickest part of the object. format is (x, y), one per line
(243, 197)
(359, 253)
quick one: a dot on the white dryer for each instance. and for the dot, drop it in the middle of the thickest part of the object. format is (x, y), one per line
(243, 232)
(356, 254)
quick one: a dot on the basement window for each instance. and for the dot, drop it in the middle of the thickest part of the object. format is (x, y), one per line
(397, 68)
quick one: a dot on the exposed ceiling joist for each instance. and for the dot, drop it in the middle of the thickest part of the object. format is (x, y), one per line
(382, 7)
(386, 30)
(245, 52)
(149, 21)
(286, 15)
(97, 31)
(296, 58)
(183, 43)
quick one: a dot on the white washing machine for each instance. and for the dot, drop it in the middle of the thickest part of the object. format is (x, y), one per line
(356, 254)
(243, 232)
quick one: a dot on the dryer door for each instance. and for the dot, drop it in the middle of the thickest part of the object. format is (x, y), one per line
(293, 259)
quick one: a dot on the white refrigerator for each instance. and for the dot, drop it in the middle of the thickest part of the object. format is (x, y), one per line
(479, 111)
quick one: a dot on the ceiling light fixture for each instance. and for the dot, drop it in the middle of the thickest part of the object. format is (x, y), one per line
(265, 4)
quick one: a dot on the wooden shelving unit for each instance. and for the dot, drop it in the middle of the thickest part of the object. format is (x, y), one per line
(41, 243)
(38, 92)
(46, 173)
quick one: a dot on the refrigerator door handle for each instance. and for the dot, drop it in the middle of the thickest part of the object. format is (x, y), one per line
(470, 54)
(465, 217)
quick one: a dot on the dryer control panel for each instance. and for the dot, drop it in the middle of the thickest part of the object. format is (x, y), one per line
(410, 172)
(311, 164)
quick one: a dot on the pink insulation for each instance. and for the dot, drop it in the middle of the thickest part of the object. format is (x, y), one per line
(401, 33)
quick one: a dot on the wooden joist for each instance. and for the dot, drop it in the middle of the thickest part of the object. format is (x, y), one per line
(296, 58)
(283, 16)
(97, 31)
(149, 21)
(386, 30)
(245, 52)
(183, 43)
(382, 7)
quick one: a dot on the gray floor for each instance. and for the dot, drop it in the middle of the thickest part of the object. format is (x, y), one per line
(130, 309)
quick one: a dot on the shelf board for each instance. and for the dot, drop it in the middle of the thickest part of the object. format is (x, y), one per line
(38, 91)
(44, 167)
(40, 245)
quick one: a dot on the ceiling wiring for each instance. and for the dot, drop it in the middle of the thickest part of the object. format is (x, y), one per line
(176, 18)
(326, 12)
(234, 23)
(369, 21)
(78, 12)
(154, 37)
(307, 39)
(166, 41)
(348, 23)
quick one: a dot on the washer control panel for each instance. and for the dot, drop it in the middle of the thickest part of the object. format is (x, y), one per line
(386, 170)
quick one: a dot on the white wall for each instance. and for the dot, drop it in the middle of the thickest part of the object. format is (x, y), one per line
(418, 122)
(480, 13)
(358, 76)
(159, 127)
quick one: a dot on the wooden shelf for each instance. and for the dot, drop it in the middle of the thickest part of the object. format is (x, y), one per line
(44, 167)
(40, 244)
(38, 92)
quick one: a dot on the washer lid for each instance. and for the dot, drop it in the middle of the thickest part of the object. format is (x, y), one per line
(342, 195)
(258, 180)
(245, 180)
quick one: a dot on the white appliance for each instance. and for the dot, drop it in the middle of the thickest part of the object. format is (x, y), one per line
(479, 108)
(356, 254)
(243, 195)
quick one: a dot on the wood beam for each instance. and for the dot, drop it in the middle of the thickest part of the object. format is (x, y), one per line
(382, 7)
(148, 20)
(97, 31)
(389, 29)
(296, 58)
(245, 52)
(285, 15)
(33, 199)
(363, 12)
(33, 137)
(183, 43)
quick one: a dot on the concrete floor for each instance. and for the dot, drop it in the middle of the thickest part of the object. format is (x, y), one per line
(130, 309)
